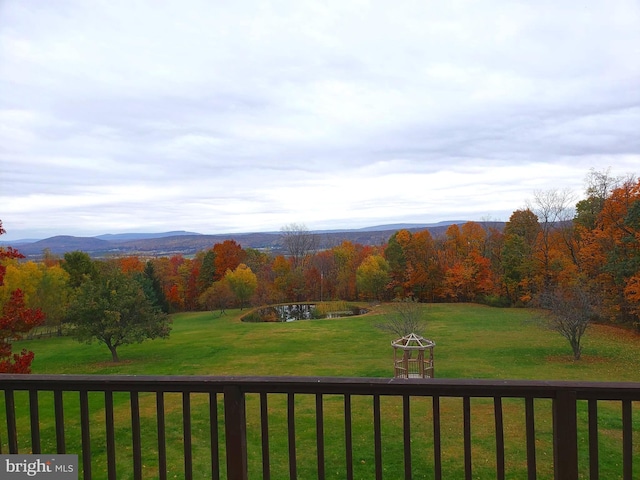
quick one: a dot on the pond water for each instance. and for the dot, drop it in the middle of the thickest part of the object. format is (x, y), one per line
(298, 311)
(295, 311)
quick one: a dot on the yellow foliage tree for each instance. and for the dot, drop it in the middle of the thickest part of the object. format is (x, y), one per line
(243, 283)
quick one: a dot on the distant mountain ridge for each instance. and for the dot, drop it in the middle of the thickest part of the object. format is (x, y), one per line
(189, 243)
(121, 237)
(411, 226)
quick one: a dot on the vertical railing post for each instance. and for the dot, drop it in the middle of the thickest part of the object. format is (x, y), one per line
(565, 436)
(235, 426)
(12, 429)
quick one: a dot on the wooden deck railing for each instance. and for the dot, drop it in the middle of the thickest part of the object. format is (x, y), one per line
(64, 414)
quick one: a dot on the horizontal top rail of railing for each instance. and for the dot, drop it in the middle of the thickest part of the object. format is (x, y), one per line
(252, 407)
(339, 385)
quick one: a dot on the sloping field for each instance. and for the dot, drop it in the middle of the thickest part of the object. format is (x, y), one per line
(472, 342)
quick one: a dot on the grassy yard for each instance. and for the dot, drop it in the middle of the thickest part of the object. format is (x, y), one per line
(472, 342)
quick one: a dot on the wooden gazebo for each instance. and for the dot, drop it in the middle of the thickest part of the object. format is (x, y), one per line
(413, 357)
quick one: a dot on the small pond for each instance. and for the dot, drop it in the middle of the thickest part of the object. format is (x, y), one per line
(290, 312)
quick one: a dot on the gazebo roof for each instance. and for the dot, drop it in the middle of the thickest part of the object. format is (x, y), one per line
(412, 342)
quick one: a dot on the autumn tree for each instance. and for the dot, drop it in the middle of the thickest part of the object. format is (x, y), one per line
(325, 263)
(372, 277)
(16, 319)
(348, 256)
(227, 256)
(242, 282)
(554, 210)
(188, 273)
(396, 256)
(610, 253)
(53, 295)
(517, 256)
(467, 273)
(24, 276)
(130, 264)
(43, 287)
(218, 296)
(424, 270)
(49, 259)
(598, 187)
(113, 309)
(207, 273)
(281, 279)
(168, 272)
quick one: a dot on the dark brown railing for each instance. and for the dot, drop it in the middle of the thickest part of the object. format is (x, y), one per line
(64, 414)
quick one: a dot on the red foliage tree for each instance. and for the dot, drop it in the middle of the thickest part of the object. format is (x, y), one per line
(16, 319)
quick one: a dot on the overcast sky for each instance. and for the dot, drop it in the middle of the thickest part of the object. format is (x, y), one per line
(219, 117)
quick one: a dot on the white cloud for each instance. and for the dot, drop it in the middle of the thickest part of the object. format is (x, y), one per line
(244, 116)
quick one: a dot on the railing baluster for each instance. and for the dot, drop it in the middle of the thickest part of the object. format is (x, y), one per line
(12, 430)
(264, 433)
(377, 435)
(111, 437)
(135, 435)
(320, 435)
(162, 436)
(59, 413)
(348, 436)
(593, 440)
(34, 413)
(531, 438)
(186, 433)
(499, 423)
(627, 440)
(86, 434)
(437, 446)
(213, 432)
(466, 409)
(235, 427)
(565, 435)
(291, 426)
(406, 428)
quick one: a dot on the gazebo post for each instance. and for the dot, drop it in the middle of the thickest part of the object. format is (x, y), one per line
(433, 368)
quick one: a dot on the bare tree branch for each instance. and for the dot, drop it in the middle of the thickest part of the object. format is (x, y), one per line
(299, 242)
(568, 311)
(406, 316)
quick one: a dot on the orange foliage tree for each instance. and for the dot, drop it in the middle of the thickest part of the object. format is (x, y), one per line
(424, 270)
(227, 256)
(610, 254)
(467, 275)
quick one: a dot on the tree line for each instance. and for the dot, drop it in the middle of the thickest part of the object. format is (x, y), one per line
(555, 251)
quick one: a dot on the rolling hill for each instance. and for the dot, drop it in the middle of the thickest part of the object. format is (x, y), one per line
(188, 243)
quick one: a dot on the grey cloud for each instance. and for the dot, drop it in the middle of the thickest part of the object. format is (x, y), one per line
(229, 107)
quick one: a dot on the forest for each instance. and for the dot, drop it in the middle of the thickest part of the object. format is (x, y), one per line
(556, 249)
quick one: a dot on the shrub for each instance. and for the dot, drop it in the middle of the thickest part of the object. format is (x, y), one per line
(495, 301)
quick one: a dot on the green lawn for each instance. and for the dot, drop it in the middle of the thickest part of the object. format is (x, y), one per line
(472, 342)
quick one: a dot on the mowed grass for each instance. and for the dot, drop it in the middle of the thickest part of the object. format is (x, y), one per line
(472, 342)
